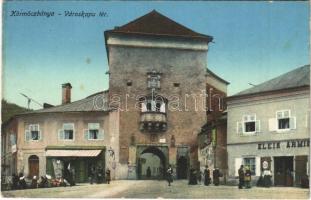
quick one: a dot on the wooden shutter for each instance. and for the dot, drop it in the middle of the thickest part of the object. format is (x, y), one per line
(27, 135)
(258, 168)
(61, 134)
(86, 134)
(239, 128)
(100, 134)
(272, 124)
(257, 126)
(40, 135)
(237, 164)
(292, 123)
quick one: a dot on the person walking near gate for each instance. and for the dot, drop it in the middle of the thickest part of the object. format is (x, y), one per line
(216, 175)
(108, 178)
(148, 172)
(169, 173)
(248, 177)
(92, 174)
(241, 177)
(207, 178)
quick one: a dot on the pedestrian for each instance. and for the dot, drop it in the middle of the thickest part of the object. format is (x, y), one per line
(267, 175)
(247, 177)
(71, 175)
(192, 177)
(92, 174)
(21, 182)
(15, 181)
(199, 176)
(34, 182)
(216, 175)
(148, 172)
(108, 177)
(241, 177)
(207, 178)
(100, 174)
(169, 173)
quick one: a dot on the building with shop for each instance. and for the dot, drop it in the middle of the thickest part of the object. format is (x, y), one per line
(212, 140)
(74, 135)
(269, 128)
(150, 116)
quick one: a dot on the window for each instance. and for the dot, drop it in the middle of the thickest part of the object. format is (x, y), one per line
(33, 133)
(153, 106)
(251, 164)
(283, 119)
(94, 132)
(129, 83)
(67, 133)
(176, 84)
(283, 122)
(154, 79)
(250, 124)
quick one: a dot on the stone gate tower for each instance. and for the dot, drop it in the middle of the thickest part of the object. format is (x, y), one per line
(157, 82)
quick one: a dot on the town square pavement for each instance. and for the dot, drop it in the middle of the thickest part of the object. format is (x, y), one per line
(159, 189)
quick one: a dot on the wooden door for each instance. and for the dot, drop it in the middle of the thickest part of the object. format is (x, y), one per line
(300, 168)
(33, 164)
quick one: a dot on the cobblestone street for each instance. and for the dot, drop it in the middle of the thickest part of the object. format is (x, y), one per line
(159, 189)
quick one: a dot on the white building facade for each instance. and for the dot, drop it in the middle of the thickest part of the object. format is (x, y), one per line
(269, 127)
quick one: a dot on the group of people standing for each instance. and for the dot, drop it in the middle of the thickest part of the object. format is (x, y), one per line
(195, 176)
(97, 175)
(245, 177)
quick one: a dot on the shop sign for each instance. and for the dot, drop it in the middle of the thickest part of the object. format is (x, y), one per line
(288, 144)
(162, 140)
(265, 164)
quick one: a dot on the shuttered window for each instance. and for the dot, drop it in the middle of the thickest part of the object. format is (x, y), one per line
(94, 132)
(283, 121)
(67, 132)
(249, 125)
(33, 133)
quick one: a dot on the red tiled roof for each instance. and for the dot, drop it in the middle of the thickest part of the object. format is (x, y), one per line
(155, 23)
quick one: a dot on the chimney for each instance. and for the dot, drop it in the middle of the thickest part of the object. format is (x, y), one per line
(66, 93)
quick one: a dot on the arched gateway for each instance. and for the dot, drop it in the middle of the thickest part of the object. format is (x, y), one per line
(153, 159)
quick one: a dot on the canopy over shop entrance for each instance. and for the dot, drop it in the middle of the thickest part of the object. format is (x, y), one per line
(72, 153)
(79, 159)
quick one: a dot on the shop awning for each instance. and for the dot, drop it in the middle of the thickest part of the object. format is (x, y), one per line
(72, 153)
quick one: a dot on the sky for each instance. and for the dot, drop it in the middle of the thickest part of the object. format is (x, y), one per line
(253, 42)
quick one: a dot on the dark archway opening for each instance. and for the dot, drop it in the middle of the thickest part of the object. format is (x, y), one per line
(154, 159)
(182, 167)
(33, 164)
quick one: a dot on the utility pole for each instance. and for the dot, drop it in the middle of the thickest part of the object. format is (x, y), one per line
(29, 100)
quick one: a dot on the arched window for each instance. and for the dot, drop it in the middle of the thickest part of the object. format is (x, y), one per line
(153, 104)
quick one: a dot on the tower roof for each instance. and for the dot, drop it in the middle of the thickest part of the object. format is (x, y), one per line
(154, 23)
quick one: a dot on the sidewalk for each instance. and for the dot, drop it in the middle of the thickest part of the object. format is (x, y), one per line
(159, 189)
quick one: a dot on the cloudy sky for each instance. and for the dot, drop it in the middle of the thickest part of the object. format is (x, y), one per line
(254, 41)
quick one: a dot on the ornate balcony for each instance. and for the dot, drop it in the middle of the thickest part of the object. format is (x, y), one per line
(153, 121)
